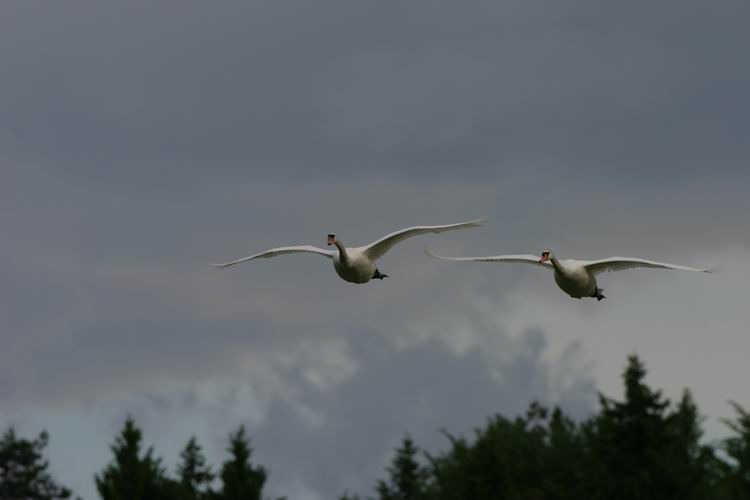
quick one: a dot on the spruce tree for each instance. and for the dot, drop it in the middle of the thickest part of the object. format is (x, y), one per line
(240, 479)
(406, 477)
(691, 464)
(507, 460)
(736, 472)
(24, 471)
(132, 476)
(564, 459)
(642, 449)
(194, 475)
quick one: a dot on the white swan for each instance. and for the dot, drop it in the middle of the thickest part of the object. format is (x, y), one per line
(357, 264)
(577, 278)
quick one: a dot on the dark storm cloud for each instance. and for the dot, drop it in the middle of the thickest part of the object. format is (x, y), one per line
(419, 390)
(91, 279)
(153, 93)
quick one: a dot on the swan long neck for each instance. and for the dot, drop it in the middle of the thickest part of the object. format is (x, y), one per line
(555, 263)
(342, 251)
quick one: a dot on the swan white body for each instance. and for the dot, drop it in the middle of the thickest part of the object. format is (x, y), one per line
(357, 264)
(577, 278)
(354, 266)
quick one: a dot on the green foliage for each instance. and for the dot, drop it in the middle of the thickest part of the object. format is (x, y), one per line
(643, 447)
(23, 469)
(194, 475)
(131, 475)
(240, 479)
(640, 448)
(736, 471)
(407, 478)
(347, 496)
(535, 456)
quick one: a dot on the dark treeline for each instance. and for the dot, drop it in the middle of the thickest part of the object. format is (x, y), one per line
(643, 447)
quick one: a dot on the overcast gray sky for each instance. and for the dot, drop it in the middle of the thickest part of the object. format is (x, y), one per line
(140, 142)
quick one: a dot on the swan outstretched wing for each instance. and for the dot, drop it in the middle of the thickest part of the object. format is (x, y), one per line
(613, 264)
(378, 248)
(274, 252)
(523, 259)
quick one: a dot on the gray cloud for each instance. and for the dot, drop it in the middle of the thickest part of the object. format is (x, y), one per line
(421, 390)
(140, 142)
(290, 90)
(88, 287)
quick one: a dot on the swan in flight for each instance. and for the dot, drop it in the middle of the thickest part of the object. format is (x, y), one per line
(577, 278)
(357, 264)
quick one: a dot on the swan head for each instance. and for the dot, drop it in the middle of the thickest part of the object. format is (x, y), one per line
(545, 256)
(331, 239)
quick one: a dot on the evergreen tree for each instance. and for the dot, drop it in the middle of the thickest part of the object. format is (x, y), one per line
(736, 472)
(347, 496)
(564, 459)
(692, 464)
(24, 471)
(407, 477)
(131, 476)
(641, 449)
(532, 457)
(240, 479)
(194, 475)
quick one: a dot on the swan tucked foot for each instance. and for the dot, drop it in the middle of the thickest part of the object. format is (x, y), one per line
(379, 276)
(598, 294)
